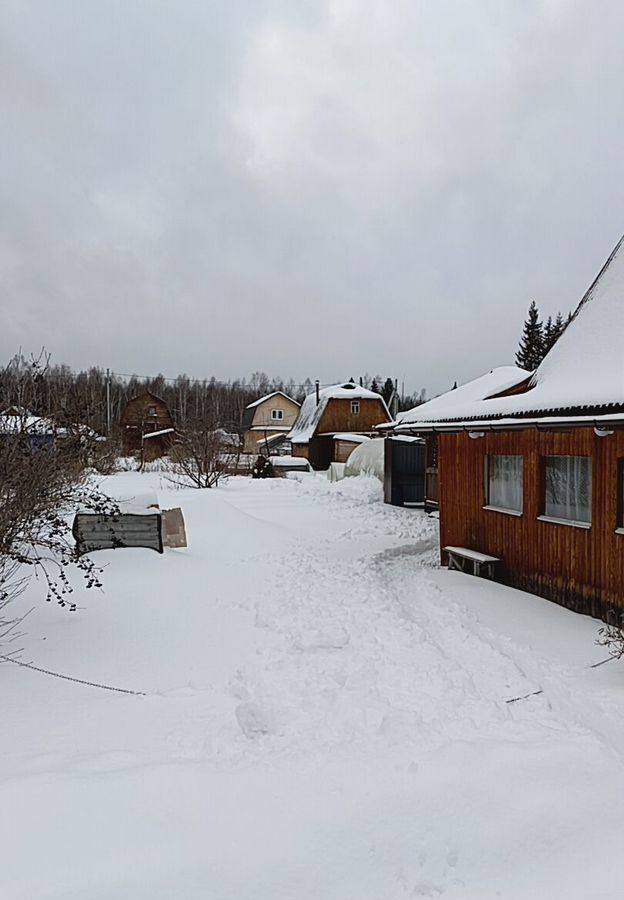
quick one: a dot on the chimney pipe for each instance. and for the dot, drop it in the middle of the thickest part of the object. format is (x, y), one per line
(318, 395)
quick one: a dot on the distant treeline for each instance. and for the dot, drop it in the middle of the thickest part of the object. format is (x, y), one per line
(93, 396)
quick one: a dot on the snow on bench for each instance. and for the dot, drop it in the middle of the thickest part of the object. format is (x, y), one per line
(482, 563)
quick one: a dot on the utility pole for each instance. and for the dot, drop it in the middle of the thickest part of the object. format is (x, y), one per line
(108, 404)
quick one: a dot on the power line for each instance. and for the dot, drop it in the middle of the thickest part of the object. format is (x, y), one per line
(215, 382)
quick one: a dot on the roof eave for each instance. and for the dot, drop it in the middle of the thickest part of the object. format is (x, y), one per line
(540, 423)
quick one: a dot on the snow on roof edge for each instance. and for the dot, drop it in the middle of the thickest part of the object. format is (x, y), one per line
(311, 411)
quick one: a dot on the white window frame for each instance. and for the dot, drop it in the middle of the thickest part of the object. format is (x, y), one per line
(563, 519)
(498, 506)
(355, 407)
(277, 415)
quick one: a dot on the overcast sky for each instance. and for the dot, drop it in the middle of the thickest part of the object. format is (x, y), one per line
(316, 188)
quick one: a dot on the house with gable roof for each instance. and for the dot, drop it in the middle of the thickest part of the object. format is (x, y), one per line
(533, 476)
(267, 421)
(334, 417)
(146, 426)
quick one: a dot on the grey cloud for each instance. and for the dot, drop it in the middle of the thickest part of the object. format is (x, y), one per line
(305, 188)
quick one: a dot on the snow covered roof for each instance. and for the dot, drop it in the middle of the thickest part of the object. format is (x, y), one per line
(270, 439)
(311, 411)
(453, 403)
(11, 423)
(583, 372)
(268, 397)
(153, 434)
(351, 437)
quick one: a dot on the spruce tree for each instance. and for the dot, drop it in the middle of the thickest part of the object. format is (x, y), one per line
(387, 390)
(531, 350)
(548, 336)
(553, 331)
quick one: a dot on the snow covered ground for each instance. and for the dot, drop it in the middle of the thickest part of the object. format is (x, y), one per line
(325, 718)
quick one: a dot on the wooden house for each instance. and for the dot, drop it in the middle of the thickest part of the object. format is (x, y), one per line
(146, 427)
(531, 480)
(329, 416)
(267, 420)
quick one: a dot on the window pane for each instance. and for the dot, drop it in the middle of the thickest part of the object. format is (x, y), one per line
(568, 483)
(505, 482)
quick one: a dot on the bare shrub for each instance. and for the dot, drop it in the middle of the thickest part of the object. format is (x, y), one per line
(39, 488)
(42, 481)
(611, 636)
(202, 456)
(103, 455)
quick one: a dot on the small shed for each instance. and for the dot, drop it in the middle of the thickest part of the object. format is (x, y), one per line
(146, 427)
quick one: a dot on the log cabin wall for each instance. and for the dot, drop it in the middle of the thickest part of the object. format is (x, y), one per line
(580, 568)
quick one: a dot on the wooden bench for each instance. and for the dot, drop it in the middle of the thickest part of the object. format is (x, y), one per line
(480, 563)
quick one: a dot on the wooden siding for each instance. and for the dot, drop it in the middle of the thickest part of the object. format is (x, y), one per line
(142, 415)
(262, 413)
(337, 416)
(581, 568)
(343, 450)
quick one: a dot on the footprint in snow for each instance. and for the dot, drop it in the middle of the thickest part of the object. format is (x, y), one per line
(253, 720)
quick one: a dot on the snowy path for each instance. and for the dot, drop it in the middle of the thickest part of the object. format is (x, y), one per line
(325, 719)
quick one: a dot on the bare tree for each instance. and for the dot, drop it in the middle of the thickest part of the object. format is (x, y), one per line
(202, 455)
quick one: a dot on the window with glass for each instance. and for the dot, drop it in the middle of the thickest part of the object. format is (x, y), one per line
(568, 488)
(504, 482)
(277, 413)
(355, 407)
